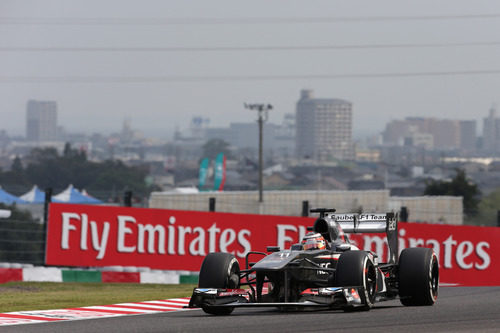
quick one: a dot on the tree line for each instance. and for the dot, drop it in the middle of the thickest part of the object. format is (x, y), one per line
(46, 168)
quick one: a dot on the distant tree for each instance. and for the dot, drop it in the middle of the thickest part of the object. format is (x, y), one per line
(213, 147)
(74, 154)
(488, 209)
(458, 186)
(40, 155)
(67, 150)
(17, 165)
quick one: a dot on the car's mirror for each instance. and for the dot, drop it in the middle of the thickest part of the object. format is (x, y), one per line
(273, 248)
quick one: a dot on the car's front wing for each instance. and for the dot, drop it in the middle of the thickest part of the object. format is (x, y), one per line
(330, 297)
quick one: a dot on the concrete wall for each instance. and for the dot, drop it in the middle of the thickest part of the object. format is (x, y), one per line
(435, 209)
(443, 209)
(275, 202)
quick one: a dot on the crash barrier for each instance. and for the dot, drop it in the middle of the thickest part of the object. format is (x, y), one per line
(92, 236)
(24, 272)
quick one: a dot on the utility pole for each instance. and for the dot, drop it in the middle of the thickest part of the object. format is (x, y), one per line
(262, 110)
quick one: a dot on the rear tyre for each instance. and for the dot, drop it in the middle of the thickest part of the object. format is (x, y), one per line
(354, 268)
(418, 277)
(219, 270)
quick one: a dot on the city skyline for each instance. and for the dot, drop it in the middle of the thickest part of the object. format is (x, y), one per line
(161, 63)
(198, 126)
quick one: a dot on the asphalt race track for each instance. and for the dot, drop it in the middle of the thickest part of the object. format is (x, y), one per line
(459, 309)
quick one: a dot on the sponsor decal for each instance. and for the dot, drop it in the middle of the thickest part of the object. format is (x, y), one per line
(324, 265)
(233, 292)
(372, 217)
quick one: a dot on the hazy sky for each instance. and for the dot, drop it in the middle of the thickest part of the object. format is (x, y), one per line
(159, 63)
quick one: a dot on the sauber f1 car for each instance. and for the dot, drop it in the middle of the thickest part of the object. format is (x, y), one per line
(325, 271)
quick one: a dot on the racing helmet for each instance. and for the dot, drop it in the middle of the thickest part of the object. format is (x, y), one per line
(313, 241)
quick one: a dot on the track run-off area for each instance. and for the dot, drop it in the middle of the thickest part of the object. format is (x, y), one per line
(459, 309)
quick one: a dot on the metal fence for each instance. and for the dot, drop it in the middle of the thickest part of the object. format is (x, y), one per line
(22, 242)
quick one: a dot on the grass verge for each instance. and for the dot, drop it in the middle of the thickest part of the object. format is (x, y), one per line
(24, 296)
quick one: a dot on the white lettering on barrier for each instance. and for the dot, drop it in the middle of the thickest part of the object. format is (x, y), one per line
(171, 235)
(464, 250)
(283, 231)
(481, 253)
(85, 226)
(212, 235)
(226, 238)
(448, 245)
(67, 227)
(99, 246)
(151, 231)
(449, 250)
(197, 246)
(282, 234)
(453, 250)
(133, 236)
(122, 231)
(244, 242)
(98, 243)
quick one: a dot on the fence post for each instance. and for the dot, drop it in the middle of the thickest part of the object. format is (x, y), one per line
(404, 214)
(127, 199)
(48, 199)
(305, 208)
(211, 204)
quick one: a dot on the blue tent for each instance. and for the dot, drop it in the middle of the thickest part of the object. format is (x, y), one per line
(72, 195)
(9, 199)
(36, 196)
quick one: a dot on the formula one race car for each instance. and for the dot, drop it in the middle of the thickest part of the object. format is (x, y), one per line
(325, 270)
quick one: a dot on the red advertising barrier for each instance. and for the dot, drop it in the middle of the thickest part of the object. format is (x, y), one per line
(83, 235)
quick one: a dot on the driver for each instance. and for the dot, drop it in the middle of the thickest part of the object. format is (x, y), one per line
(313, 241)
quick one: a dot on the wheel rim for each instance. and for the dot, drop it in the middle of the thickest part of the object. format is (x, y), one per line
(233, 279)
(370, 281)
(434, 278)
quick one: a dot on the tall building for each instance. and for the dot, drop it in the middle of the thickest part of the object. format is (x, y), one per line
(446, 134)
(323, 128)
(468, 135)
(41, 121)
(278, 139)
(491, 132)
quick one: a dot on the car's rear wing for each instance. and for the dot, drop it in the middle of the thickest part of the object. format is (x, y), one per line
(327, 224)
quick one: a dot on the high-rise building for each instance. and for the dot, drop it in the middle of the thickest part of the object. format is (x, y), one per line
(446, 133)
(491, 132)
(323, 128)
(468, 136)
(41, 121)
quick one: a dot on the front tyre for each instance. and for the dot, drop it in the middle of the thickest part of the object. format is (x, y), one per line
(354, 268)
(222, 271)
(418, 277)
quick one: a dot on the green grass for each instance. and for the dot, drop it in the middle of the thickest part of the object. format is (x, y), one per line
(23, 296)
